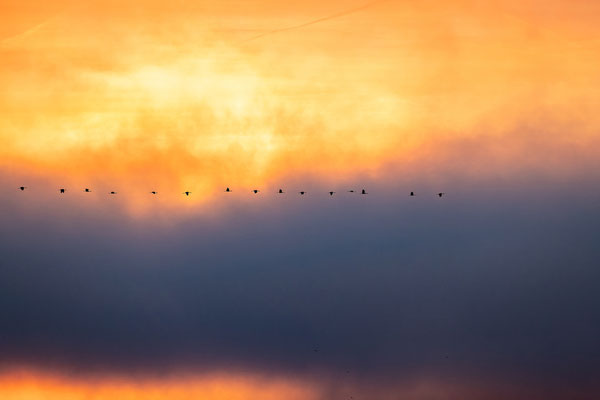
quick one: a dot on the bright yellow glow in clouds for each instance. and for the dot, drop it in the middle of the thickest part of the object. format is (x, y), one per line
(179, 96)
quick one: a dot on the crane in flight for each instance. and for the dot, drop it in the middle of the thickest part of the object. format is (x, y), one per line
(255, 191)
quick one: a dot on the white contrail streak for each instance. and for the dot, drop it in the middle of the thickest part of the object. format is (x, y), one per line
(316, 21)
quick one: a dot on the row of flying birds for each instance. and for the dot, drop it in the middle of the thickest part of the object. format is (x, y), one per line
(228, 190)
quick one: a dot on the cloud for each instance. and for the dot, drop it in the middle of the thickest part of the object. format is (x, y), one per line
(501, 282)
(175, 104)
(416, 296)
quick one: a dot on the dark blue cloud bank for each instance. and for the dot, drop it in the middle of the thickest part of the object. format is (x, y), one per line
(487, 283)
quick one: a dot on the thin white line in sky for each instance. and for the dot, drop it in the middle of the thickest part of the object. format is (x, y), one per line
(316, 21)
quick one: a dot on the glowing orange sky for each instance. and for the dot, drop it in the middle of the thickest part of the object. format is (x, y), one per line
(177, 95)
(23, 385)
(35, 385)
(173, 95)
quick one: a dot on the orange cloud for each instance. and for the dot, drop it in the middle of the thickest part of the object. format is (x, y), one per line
(25, 385)
(148, 95)
(35, 385)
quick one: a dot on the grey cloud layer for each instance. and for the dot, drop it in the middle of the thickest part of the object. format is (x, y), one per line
(478, 284)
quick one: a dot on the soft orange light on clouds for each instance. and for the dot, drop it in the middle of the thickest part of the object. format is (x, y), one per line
(35, 386)
(202, 95)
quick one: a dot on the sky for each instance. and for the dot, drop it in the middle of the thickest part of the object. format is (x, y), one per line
(489, 292)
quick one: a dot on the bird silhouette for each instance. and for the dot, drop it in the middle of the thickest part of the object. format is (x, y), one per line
(256, 191)
(187, 193)
(331, 193)
(113, 193)
(87, 190)
(364, 192)
(281, 191)
(412, 194)
(62, 190)
(228, 190)
(302, 193)
(351, 191)
(153, 192)
(441, 194)
(22, 188)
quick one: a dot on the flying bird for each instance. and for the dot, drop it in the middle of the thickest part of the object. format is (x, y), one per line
(441, 194)
(22, 188)
(62, 190)
(153, 192)
(187, 193)
(364, 192)
(228, 190)
(87, 190)
(281, 191)
(331, 193)
(351, 191)
(256, 191)
(113, 193)
(412, 193)
(302, 193)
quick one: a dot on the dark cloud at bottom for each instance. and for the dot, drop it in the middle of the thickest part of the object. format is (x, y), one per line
(479, 286)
